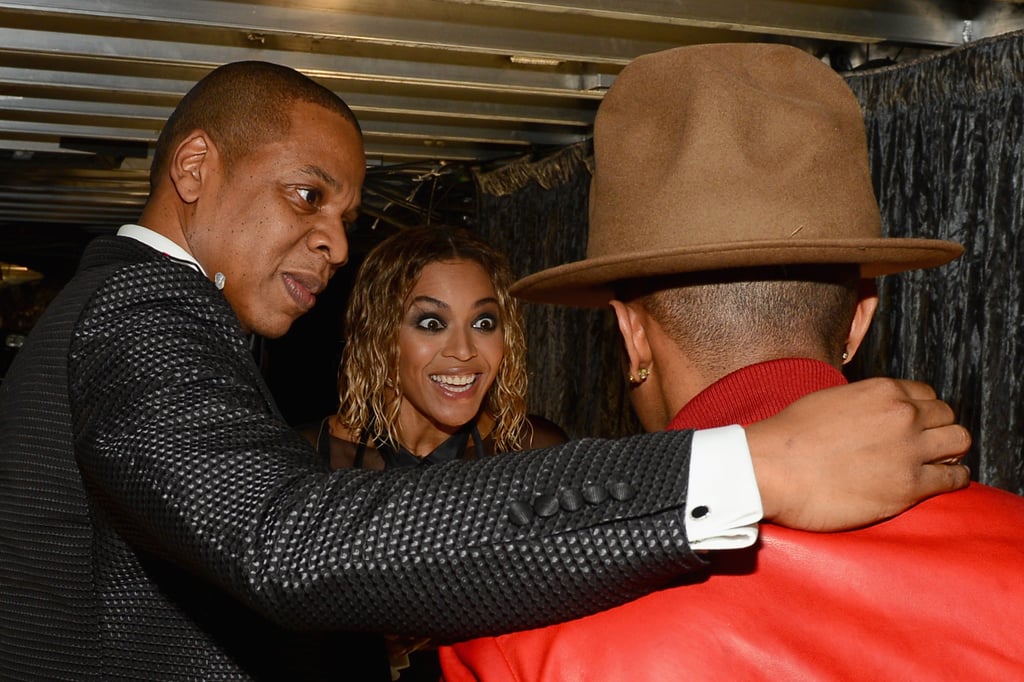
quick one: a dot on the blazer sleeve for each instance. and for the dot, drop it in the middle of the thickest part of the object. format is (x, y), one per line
(181, 448)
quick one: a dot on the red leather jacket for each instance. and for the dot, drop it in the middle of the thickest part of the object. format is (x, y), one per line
(934, 594)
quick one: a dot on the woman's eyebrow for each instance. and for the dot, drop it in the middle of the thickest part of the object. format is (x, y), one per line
(429, 299)
(490, 300)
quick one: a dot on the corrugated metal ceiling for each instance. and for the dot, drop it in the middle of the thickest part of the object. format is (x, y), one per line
(86, 84)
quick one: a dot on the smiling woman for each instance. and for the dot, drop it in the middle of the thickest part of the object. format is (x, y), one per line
(434, 364)
(434, 370)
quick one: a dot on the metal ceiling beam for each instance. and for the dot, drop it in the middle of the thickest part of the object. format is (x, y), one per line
(910, 21)
(107, 51)
(470, 27)
(55, 131)
(44, 119)
(84, 214)
(418, 25)
(31, 146)
(88, 90)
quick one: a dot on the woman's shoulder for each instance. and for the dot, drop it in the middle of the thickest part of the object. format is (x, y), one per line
(311, 431)
(543, 433)
(537, 432)
(339, 447)
(346, 454)
(339, 431)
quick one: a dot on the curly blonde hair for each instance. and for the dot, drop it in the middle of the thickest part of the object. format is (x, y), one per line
(368, 387)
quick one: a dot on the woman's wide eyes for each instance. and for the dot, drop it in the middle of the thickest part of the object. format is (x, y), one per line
(431, 324)
(486, 323)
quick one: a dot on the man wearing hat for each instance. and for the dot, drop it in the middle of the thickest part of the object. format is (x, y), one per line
(735, 232)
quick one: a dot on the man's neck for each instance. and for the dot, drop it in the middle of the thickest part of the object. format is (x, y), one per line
(755, 392)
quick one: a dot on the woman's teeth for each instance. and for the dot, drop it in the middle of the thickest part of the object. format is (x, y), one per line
(454, 383)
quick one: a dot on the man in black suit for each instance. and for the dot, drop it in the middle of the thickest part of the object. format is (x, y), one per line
(159, 519)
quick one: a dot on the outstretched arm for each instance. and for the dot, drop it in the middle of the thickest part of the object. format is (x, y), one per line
(852, 455)
(181, 452)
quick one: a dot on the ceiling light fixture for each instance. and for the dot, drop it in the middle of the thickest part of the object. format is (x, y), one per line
(534, 61)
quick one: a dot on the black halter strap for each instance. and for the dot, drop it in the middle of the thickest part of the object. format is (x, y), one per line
(454, 447)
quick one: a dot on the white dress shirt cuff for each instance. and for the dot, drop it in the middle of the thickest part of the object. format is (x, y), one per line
(723, 504)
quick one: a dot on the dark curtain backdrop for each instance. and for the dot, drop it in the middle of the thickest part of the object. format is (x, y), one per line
(946, 135)
(536, 211)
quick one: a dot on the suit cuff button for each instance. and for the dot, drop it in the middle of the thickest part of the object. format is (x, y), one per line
(520, 513)
(595, 493)
(545, 505)
(622, 491)
(569, 499)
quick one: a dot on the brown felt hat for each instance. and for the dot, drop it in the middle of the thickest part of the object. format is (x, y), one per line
(720, 156)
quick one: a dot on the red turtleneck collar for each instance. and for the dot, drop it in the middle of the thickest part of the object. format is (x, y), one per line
(755, 392)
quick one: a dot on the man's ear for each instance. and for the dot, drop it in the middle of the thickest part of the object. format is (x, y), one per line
(190, 165)
(867, 303)
(631, 321)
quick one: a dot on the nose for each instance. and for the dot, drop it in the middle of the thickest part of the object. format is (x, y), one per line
(331, 242)
(460, 345)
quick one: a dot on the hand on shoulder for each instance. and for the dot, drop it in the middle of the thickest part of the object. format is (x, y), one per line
(853, 455)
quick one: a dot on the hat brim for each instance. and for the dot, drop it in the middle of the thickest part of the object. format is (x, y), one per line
(587, 283)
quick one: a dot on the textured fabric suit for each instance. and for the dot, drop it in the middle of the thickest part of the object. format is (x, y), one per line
(158, 519)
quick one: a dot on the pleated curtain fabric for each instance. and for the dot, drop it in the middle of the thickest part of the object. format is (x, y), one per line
(536, 211)
(945, 135)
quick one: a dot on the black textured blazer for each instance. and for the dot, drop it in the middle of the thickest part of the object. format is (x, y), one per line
(158, 518)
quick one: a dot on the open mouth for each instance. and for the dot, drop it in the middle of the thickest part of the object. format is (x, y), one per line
(300, 291)
(454, 383)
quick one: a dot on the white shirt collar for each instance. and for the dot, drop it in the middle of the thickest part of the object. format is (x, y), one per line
(160, 243)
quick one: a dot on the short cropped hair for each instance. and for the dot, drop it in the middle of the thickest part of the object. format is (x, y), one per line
(719, 317)
(242, 106)
(368, 387)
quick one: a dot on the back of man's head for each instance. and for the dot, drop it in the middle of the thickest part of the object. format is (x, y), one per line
(726, 319)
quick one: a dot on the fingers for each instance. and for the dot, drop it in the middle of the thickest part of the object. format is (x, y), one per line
(943, 478)
(931, 412)
(899, 395)
(945, 473)
(949, 442)
(915, 390)
(854, 455)
(934, 413)
(945, 441)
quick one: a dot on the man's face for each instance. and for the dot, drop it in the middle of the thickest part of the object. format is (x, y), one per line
(275, 226)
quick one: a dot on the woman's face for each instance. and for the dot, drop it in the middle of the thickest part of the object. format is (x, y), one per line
(450, 346)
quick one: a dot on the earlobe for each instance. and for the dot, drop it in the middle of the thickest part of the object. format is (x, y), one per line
(190, 164)
(867, 303)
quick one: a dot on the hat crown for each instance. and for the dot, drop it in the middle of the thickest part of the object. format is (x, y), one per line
(728, 143)
(719, 156)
